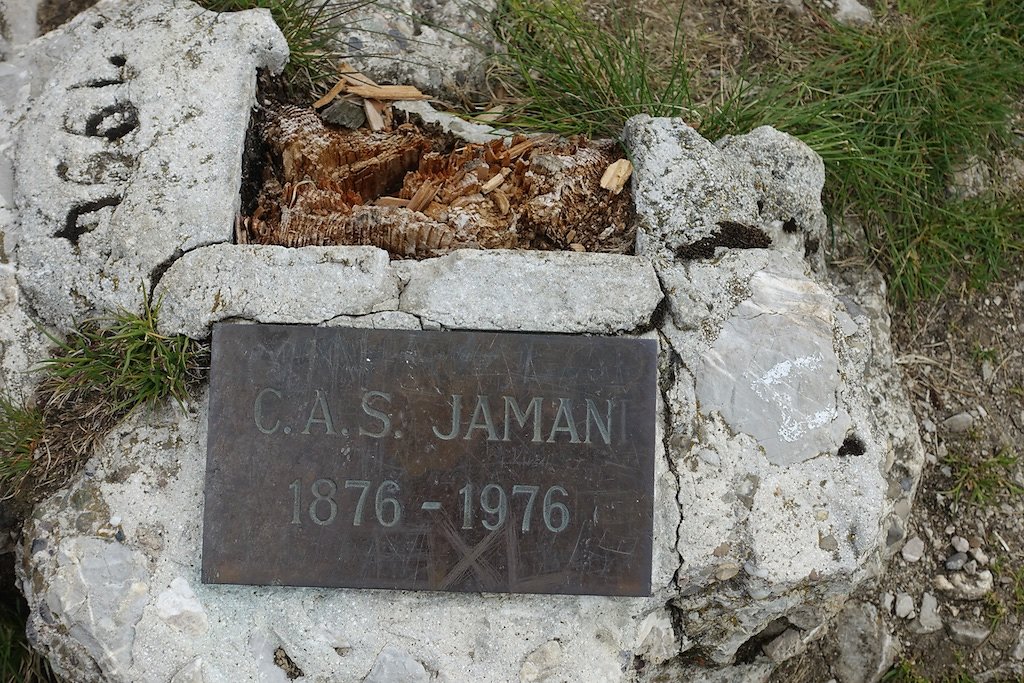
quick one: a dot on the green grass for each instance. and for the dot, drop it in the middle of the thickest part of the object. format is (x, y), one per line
(573, 76)
(21, 427)
(124, 359)
(906, 672)
(892, 110)
(981, 481)
(309, 26)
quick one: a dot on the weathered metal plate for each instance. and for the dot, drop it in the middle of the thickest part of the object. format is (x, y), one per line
(455, 461)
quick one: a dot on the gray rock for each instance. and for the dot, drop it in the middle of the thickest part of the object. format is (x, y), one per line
(788, 177)
(533, 291)
(190, 673)
(913, 549)
(956, 561)
(1018, 650)
(968, 633)
(785, 646)
(179, 607)
(904, 606)
(959, 423)
(866, 649)
(344, 113)
(852, 12)
(769, 506)
(385, 320)
(439, 46)
(129, 156)
(273, 284)
(960, 544)
(683, 186)
(395, 665)
(741, 673)
(929, 620)
(966, 587)
(95, 592)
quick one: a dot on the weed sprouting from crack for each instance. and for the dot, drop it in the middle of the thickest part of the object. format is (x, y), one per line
(98, 374)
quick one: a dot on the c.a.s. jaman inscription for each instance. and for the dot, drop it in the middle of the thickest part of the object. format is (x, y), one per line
(464, 461)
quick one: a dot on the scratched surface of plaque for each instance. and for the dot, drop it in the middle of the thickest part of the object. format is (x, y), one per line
(454, 461)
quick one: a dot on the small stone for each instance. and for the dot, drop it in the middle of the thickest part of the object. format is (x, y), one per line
(904, 606)
(987, 371)
(928, 425)
(786, 646)
(913, 549)
(975, 541)
(344, 113)
(950, 530)
(971, 567)
(959, 423)
(887, 601)
(726, 571)
(866, 647)
(1018, 651)
(961, 544)
(956, 562)
(980, 556)
(929, 620)
(968, 633)
(966, 587)
(541, 662)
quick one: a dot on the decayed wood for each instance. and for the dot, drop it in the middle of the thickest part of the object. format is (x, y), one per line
(398, 191)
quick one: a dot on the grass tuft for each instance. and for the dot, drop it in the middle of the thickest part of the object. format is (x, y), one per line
(309, 26)
(21, 428)
(124, 359)
(570, 75)
(981, 481)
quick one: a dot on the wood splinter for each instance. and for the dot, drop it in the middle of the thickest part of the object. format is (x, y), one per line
(616, 175)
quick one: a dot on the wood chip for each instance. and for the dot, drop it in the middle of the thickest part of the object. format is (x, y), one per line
(391, 201)
(332, 93)
(616, 175)
(423, 196)
(387, 92)
(354, 77)
(373, 114)
(528, 144)
(500, 200)
(491, 115)
(495, 182)
(576, 246)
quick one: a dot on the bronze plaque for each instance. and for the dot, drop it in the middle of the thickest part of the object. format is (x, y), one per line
(454, 461)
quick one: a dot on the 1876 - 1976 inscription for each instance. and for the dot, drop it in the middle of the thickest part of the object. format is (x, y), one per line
(464, 461)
